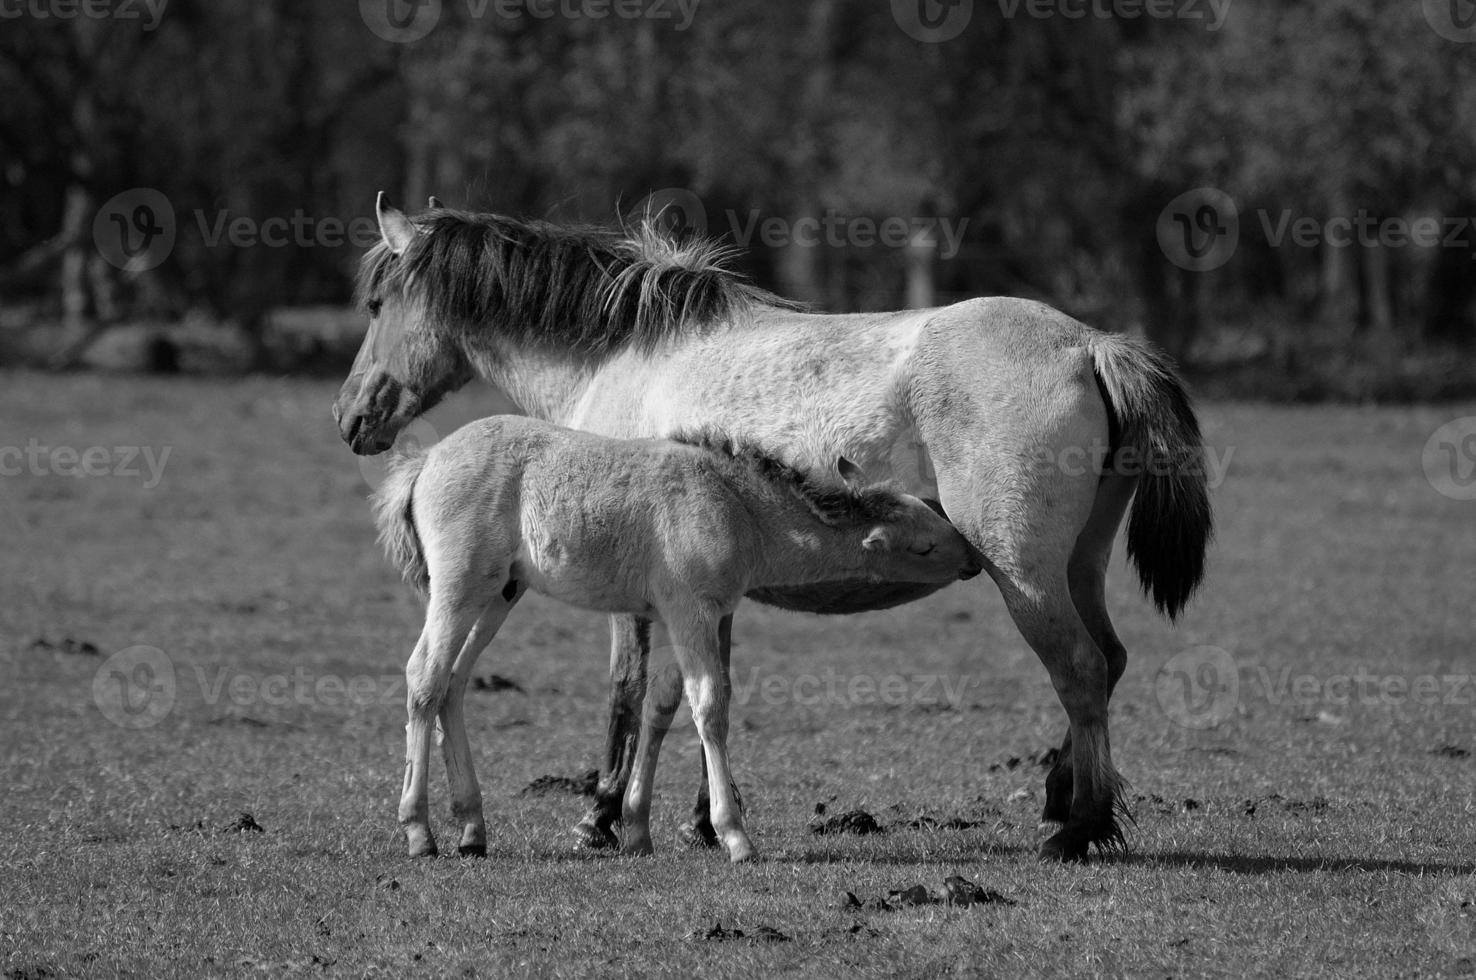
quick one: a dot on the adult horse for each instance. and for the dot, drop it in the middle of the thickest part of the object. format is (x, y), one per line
(1033, 431)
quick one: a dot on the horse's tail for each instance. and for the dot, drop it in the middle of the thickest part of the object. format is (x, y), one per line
(396, 522)
(1156, 437)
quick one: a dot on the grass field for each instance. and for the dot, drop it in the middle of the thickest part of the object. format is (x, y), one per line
(1325, 826)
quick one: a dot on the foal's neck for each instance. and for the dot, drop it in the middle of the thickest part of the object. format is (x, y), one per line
(797, 548)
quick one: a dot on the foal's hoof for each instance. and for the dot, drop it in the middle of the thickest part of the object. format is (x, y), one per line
(637, 848)
(472, 850)
(1064, 848)
(591, 836)
(697, 834)
(742, 853)
(423, 847)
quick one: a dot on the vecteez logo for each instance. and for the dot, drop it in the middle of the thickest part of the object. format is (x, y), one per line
(1200, 229)
(135, 231)
(1449, 459)
(1454, 20)
(135, 688)
(400, 21)
(1199, 688)
(675, 211)
(933, 21)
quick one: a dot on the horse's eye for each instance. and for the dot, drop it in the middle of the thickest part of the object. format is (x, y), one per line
(374, 307)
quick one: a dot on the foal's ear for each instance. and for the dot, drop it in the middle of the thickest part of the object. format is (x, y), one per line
(849, 471)
(435, 203)
(396, 229)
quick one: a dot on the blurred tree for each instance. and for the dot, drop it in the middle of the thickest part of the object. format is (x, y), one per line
(1053, 143)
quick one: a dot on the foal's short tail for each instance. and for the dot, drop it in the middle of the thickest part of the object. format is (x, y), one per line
(1156, 437)
(395, 521)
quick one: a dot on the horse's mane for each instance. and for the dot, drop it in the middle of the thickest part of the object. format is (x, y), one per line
(590, 289)
(834, 503)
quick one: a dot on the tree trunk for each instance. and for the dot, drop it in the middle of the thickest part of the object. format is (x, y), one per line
(1450, 291)
(799, 267)
(1337, 291)
(922, 254)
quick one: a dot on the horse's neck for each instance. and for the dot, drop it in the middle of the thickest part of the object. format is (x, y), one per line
(545, 384)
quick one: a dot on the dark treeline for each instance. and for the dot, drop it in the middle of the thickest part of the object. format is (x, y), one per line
(1268, 178)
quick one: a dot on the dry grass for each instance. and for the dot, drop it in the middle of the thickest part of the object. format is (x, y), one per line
(253, 558)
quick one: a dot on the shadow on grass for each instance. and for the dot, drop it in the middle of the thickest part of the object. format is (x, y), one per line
(1266, 864)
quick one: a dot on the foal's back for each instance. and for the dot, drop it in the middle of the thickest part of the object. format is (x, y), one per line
(611, 525)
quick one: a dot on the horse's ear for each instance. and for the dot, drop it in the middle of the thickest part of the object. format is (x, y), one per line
(435, 203)
(396, 229)
(849, 471)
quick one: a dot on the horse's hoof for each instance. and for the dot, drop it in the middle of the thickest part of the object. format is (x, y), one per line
(637, 848)
(697, 834)
(425, 848)
(594, 838)
(742, 854)
(472, 850)
(1064, 848)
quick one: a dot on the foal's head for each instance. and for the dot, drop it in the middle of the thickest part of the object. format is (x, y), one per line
(890, 536)
(906, 539)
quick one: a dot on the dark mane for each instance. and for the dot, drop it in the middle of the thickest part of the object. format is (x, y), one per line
(595, 290)
(834, 503)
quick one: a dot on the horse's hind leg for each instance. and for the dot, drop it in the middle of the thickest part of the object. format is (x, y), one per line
(630, 645)
(461, 775)
(428, 677)
(1047, 618)
(1087, 574)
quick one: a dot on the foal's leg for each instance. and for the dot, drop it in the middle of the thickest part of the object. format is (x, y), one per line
(698, 653)
(428, 676)
(461, 776)
(1087, 574)
(630, 645)
(663, 698)
(698, 832)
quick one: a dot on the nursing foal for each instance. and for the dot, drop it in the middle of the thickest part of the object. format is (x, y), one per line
(670, 530)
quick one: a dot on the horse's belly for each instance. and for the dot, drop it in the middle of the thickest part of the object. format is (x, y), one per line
(842, 598)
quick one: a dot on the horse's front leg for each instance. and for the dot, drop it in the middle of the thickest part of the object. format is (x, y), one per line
(698, 832)
(699, 654)
(630, 645)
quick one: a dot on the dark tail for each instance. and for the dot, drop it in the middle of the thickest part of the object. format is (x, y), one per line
(395, 521)
(1156, 436)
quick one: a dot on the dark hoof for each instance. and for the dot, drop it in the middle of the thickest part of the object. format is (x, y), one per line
(1064, 848)
(472, 850)
(594, 838)
(697, 834)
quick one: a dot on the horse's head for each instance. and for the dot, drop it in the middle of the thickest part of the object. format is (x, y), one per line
(410, 359)
(915, 542)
